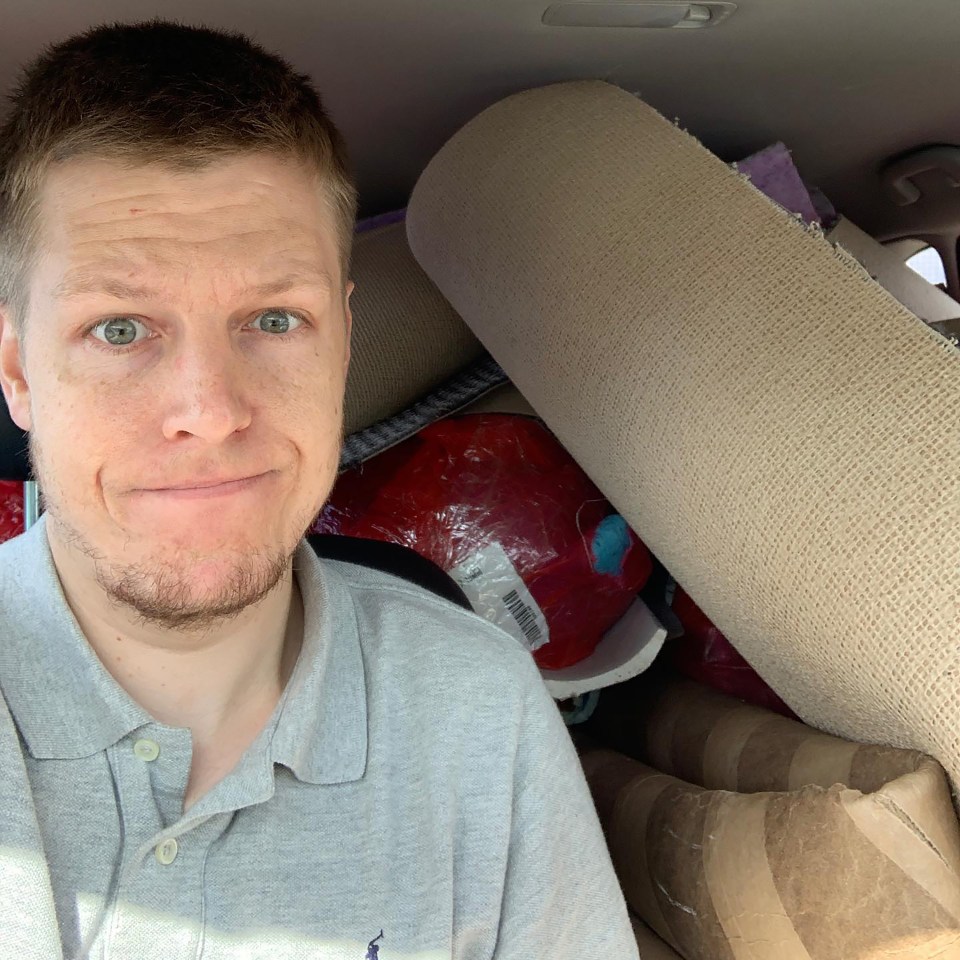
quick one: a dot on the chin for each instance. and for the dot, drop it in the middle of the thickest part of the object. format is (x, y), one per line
(193, 592)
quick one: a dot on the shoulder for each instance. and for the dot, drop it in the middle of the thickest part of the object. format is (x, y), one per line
(16, 550)
(448, 681)
(407, 628)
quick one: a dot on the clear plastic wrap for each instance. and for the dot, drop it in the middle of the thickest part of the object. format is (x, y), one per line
(496, 501)
(706, 655)
(11, 509)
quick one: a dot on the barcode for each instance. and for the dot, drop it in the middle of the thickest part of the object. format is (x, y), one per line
(524, 616)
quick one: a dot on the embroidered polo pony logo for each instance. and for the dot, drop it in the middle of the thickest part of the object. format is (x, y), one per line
(373, 951)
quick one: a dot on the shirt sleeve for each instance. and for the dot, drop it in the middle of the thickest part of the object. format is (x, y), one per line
(561, 900)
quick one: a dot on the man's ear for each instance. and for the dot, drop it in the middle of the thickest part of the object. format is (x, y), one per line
(13, 379)
(349, 319)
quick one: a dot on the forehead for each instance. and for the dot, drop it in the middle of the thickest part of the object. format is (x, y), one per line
(235, 215)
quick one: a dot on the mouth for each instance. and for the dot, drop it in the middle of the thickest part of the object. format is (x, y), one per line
(206, 489)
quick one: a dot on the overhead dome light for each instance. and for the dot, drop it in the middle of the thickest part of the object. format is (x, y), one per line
(637, 13)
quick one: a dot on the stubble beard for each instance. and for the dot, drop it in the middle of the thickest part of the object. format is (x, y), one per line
(160, 592)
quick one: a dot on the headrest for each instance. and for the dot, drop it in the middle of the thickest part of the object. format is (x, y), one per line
(776, 427)
(406, 340)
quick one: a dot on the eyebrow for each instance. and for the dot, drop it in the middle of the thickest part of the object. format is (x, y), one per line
(85, 283)
(80, 285)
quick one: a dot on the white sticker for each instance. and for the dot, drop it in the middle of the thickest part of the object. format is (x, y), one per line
(497, 592)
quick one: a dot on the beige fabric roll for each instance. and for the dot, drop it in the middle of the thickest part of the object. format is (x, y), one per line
(406, 338)
(776, 427)
(811, 874)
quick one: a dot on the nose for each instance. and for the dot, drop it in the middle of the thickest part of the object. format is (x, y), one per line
(207, 391)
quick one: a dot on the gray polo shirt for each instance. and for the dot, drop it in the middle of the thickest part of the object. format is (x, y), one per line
(415, 796)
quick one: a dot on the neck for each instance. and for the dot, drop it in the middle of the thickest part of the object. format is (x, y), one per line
(226, 679)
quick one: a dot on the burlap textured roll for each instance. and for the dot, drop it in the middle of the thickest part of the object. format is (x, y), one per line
(775, 426)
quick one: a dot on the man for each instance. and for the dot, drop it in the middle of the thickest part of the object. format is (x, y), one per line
(212, 744)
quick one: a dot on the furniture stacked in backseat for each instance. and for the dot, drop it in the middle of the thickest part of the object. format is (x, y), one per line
(777, 429)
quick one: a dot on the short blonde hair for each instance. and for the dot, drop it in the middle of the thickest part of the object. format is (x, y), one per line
(157, 92)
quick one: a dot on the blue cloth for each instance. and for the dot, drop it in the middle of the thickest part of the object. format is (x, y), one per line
(611, 541)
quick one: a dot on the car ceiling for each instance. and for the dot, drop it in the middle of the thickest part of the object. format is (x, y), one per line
(846, 84)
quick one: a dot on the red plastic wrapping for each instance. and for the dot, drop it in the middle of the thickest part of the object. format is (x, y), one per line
(11, 509)
(706, 655)
(495, 501)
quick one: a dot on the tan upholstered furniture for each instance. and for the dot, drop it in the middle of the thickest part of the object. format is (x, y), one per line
(406, 338)
(777, 428)
(756, 837)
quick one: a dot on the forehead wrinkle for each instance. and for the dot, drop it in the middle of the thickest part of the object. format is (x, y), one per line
(78, 285)
(136, 208)
(212, 187)
(273, 288)
(196, 222)
(117, 275)
(97, 278)
(140, 239)
(96, 196)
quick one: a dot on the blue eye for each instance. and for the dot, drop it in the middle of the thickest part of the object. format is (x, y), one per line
(119, 331)
(277, 321)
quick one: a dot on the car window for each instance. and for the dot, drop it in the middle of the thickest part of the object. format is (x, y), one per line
(929, 265)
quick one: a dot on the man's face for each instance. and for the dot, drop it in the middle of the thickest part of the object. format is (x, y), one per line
(184, 328)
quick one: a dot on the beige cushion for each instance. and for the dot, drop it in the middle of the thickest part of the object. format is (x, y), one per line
(698, 734)
(504, 399)
(775, 426)
(806, 847)
(406, 338)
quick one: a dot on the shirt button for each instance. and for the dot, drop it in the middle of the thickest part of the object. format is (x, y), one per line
(146, 750)
(166, 851)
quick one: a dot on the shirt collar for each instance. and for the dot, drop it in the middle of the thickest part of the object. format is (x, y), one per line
(321, 732)
(67, 706)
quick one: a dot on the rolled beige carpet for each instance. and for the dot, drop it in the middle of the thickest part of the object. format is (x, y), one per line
(775, 426)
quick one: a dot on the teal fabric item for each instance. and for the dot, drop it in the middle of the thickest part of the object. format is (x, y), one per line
(610, 545)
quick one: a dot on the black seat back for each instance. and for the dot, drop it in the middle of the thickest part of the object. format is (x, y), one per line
(14, 461)
(391, 558)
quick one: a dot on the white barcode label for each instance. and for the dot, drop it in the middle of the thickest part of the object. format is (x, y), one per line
(497, 592)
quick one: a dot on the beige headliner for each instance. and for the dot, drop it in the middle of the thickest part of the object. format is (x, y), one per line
(846, 83)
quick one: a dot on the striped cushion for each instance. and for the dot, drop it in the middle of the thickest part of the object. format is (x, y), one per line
(716, 741)
(804, 847)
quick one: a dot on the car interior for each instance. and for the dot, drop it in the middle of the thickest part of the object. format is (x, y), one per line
(563, 216)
